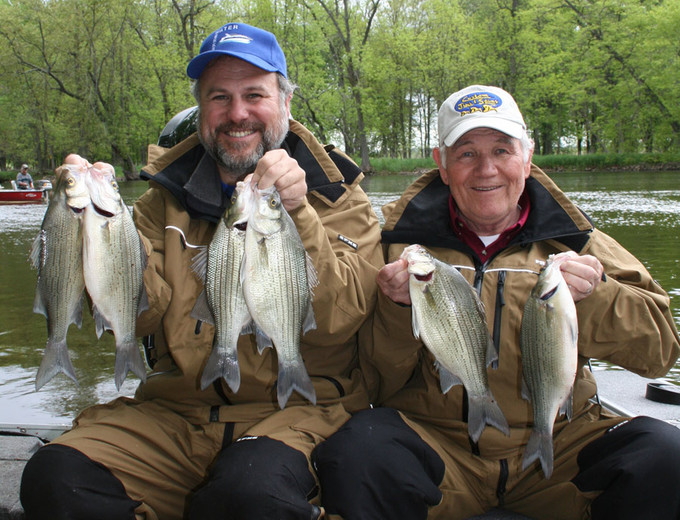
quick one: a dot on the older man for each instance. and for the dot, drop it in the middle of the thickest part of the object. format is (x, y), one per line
(487, 208)
(176, 450)
(24, 179)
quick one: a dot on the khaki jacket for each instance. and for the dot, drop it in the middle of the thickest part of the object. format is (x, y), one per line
(626, 321)
(340, 232)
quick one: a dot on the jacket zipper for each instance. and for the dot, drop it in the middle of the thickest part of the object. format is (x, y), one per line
(500, 303)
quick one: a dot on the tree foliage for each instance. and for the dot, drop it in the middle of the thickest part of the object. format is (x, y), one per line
(102, 77)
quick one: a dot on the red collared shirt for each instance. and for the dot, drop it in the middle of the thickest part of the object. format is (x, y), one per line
(472, 239)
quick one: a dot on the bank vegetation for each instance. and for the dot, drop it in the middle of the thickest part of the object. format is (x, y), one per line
(102, 77)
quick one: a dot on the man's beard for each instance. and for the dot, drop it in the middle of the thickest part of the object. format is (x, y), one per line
(237, 165)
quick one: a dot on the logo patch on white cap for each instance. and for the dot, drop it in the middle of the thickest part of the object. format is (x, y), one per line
(235, 38)
(478, 102)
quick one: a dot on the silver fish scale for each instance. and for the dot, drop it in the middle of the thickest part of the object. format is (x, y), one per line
(546, 339)
(222, 283)
(60, 268)
(57, 254)
(549, 346)
(114, 263)
(279, 263)
(452, 328)
(277, 282)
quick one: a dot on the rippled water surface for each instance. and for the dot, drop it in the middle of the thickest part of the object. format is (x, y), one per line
(640, 210)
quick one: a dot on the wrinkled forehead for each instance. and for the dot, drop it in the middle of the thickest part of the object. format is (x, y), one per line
(485, 134)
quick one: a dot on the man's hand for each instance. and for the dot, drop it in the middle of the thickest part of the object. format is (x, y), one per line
(393, 281)
(582, 274)
(279, 169)
(76, 160)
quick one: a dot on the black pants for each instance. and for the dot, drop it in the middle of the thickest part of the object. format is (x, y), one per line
(377, 467)
(257, 478)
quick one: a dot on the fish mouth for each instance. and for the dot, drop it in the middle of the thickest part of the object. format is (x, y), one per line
(424, 277)
(241, 226)
(102, 211)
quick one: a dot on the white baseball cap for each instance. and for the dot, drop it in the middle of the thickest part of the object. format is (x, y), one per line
(479, 106)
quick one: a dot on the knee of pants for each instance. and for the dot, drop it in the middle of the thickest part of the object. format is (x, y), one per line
(375, 466)
(60, 482)
(643, 445)
(257, 478)
(632, 465)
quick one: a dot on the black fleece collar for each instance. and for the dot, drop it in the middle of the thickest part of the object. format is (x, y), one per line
(425, 220)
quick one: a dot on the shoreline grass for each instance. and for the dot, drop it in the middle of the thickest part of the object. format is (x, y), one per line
(549, 163)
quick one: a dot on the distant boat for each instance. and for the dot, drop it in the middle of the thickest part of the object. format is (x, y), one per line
(23, 196)
(35, 196)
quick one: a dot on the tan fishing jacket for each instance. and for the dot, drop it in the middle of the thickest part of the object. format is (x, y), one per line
(626, 320)
(340, 232)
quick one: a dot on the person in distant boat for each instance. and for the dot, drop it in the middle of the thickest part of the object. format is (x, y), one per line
(176, 451)
(490, 211)
(24, 179)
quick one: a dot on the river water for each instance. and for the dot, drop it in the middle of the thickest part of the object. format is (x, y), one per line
(640, 210)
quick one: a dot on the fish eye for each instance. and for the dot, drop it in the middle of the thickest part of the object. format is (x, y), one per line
(70, 181)
(233, 199)
(273, 203)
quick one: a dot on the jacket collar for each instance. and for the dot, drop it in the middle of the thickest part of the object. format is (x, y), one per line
(190, 174)
(422, 215)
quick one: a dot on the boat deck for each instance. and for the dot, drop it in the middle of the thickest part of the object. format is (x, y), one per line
(615, 386)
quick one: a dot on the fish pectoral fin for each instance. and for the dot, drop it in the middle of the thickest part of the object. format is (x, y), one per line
(446, 379)
(201, 310)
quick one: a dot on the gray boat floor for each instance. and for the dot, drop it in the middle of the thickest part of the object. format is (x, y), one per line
(619, 390)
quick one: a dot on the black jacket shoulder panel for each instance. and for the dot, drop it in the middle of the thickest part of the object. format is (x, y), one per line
(316, 178)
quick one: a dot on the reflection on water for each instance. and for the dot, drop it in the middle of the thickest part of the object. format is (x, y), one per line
(641, 211)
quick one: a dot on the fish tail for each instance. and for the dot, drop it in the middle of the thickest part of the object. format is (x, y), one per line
(128, 359)
(55, 360)
(540, 446)
(223, 362)
(485, 410)
(294, 377)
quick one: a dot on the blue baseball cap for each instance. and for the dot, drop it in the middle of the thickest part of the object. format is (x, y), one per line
(243, 41)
